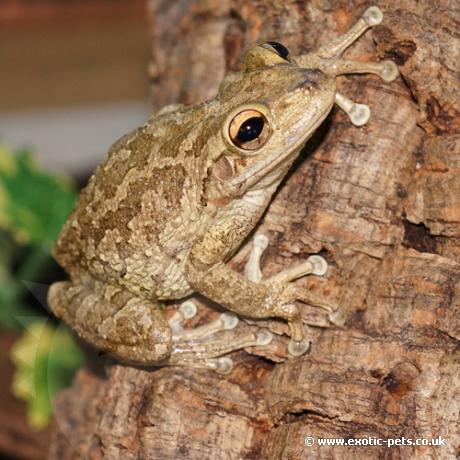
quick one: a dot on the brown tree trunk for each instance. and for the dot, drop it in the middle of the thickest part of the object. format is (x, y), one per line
(381, 203)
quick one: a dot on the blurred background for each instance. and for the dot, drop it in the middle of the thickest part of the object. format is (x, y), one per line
(73, 78)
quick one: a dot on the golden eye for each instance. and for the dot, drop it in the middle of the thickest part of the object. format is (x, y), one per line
(249, 129)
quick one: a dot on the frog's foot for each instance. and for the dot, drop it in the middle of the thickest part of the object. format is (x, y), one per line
(314, 265)
(328, 59)
(189, 349)
(209, 354)
(371, 17)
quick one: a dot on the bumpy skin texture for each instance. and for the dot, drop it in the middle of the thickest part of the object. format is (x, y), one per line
(150, 201)
(176, 198)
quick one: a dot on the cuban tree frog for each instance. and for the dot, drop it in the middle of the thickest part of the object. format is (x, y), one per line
(174, 200)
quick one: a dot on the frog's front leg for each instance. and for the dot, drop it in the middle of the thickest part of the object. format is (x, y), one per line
(275, 297)
(328, 59)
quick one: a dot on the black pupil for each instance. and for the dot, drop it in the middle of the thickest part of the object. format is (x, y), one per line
(250, 129)
(280, 49)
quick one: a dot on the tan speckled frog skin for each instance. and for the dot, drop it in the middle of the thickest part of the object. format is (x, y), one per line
(175, 198)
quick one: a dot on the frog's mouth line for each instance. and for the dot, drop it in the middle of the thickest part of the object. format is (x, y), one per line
(239, 185)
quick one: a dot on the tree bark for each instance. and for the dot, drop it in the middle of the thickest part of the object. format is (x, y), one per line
(381, 203)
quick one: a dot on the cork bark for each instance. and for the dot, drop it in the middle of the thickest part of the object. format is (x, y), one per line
(381, 203)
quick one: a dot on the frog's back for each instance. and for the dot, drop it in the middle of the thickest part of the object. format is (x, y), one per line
(141, 210)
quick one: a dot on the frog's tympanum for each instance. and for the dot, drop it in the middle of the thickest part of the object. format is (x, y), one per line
(175, 199)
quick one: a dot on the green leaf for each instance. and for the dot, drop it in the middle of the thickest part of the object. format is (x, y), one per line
(46, 359)
(33, 204)
(33, 207)
(10, 287)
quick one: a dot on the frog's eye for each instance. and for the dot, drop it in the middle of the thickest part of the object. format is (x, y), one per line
(279, 49)
(249, 129)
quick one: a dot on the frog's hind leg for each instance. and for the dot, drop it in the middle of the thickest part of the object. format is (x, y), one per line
(113, 320)
(135, 330)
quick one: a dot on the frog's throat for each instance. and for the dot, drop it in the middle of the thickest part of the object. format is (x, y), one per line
(281, 158)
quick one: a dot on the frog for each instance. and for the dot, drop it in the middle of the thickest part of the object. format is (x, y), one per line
(176, 198)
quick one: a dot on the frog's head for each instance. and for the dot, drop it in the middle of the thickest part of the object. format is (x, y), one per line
(271, 108)
(274, 104)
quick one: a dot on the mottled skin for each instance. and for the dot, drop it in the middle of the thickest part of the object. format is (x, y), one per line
(174, 200)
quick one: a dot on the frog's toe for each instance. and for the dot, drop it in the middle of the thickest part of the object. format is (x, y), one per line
(389, 71)
(223, 365)
(336, 317)
(298, 348)
(319, 265)
(314, 265)
(225, 322)
(252, 270)
(187, 310)
(358, 114)
(264, 337)
(373, 16)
